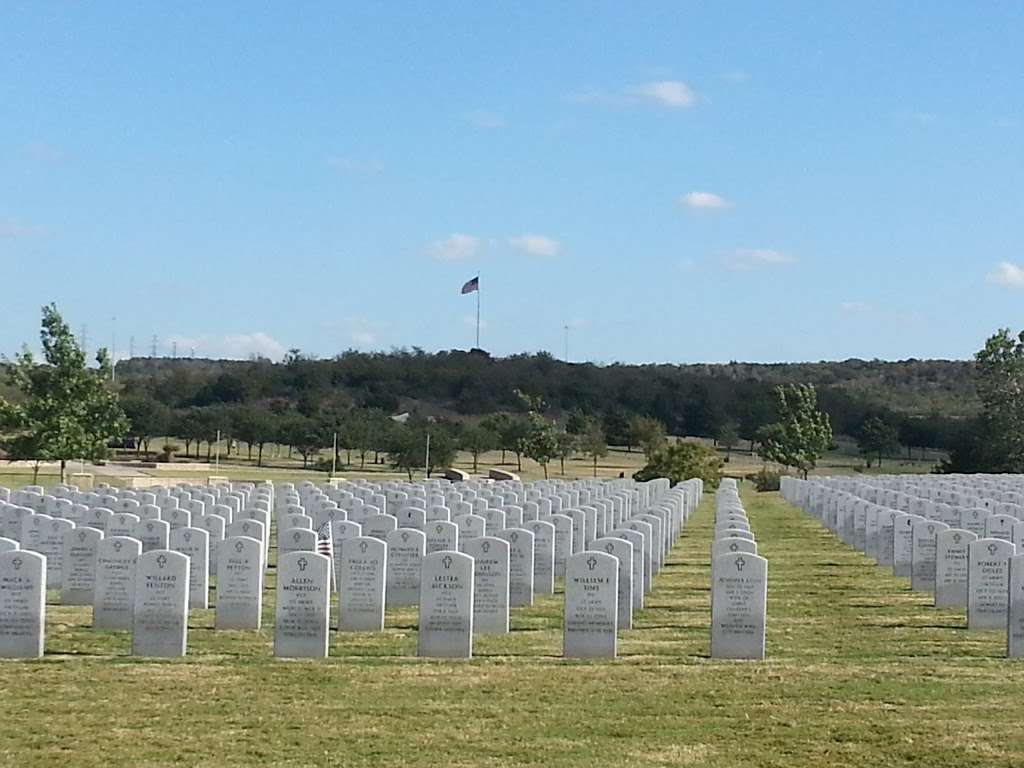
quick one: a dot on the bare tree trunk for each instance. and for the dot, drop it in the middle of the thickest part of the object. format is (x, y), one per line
(259, 460)
(63, 467)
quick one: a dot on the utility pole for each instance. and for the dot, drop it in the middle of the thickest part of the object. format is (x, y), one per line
(174, 350)
(152, 349)
(566, 355)
(131, 347)
(84, 342)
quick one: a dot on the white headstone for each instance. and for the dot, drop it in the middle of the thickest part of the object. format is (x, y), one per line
(22, 604)
(738, 604)
(591, 606)
(79, 572)
(302, 613)
(361, 570)
(491, 583)
(160, 615)
(239, 584)
(114, 594)
(446, 606)
(406, 548)
(988, 583)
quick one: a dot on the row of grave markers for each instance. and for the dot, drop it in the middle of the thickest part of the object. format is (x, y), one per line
(956, 537)
(739, 581)
(464, 571)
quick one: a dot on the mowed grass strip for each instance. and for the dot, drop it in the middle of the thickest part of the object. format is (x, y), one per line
(860, 671)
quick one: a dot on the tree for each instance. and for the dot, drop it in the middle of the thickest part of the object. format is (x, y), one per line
(648, 433)
(616, 428)
(515, 430)
(477, 439)
(727, 436)
(147, 417)
(593, 443)
(567, 444)
(498, 423)
(66, 411)
(256, 427)
(876, 438)
(802, 434)
(410, 449)
(683, 461)
(541, 441)
(999, 380)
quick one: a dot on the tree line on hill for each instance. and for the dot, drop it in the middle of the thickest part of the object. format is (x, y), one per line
(354, 393)
(527, 405)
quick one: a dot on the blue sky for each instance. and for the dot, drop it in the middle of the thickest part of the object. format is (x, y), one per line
(677, 182)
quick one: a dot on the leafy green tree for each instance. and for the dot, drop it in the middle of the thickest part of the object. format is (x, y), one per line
(616, 428)
(515, 431)
(593, 443)
(802, 434)
(877, 437)
(498, 423)
(541, 441)
(683, 461)
(477, 439)
(256, 427)
(567, 444)
(576, 422)
(727, 436)
(409, 451)
(147, 418)
(999, 380)
(648, 433)
(66, 410)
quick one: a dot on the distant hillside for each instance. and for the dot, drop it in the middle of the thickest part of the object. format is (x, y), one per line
(689, 399)
(911, 387)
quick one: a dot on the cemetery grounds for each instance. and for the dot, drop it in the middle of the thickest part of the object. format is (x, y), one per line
(859, 671)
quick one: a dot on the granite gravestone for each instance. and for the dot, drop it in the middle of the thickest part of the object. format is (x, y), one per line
(591, 606)
(160, 614)
(302, 613)
(446, 606)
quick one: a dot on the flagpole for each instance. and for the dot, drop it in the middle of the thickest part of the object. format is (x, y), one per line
(478, 310)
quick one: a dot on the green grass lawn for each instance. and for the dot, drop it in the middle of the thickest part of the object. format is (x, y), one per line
(860, 671)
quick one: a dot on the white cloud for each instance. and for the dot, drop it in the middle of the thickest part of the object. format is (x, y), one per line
(239, 346)
(746, 259)
(485, 121)
(1007, 274)
(704, 201)
(855, 307)
(668, 93)
(12, 228)
(536, 245)
(457, 247)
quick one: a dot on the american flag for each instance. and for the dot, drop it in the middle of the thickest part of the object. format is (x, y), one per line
(471, 285)
(324, 544)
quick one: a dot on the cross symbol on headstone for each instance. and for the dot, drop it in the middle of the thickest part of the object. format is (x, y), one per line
(609, 548)
(239, 546)
(992, 548)
(302, 563)
(405, 538)
(161, 561)
(117, 546)
(956, 538)
(438, 529)
(486, 547)
(592, 563)
(446, 561)
(740, 563)
(296, 536)
(362, 546)
(81, 535)
(16, 562)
